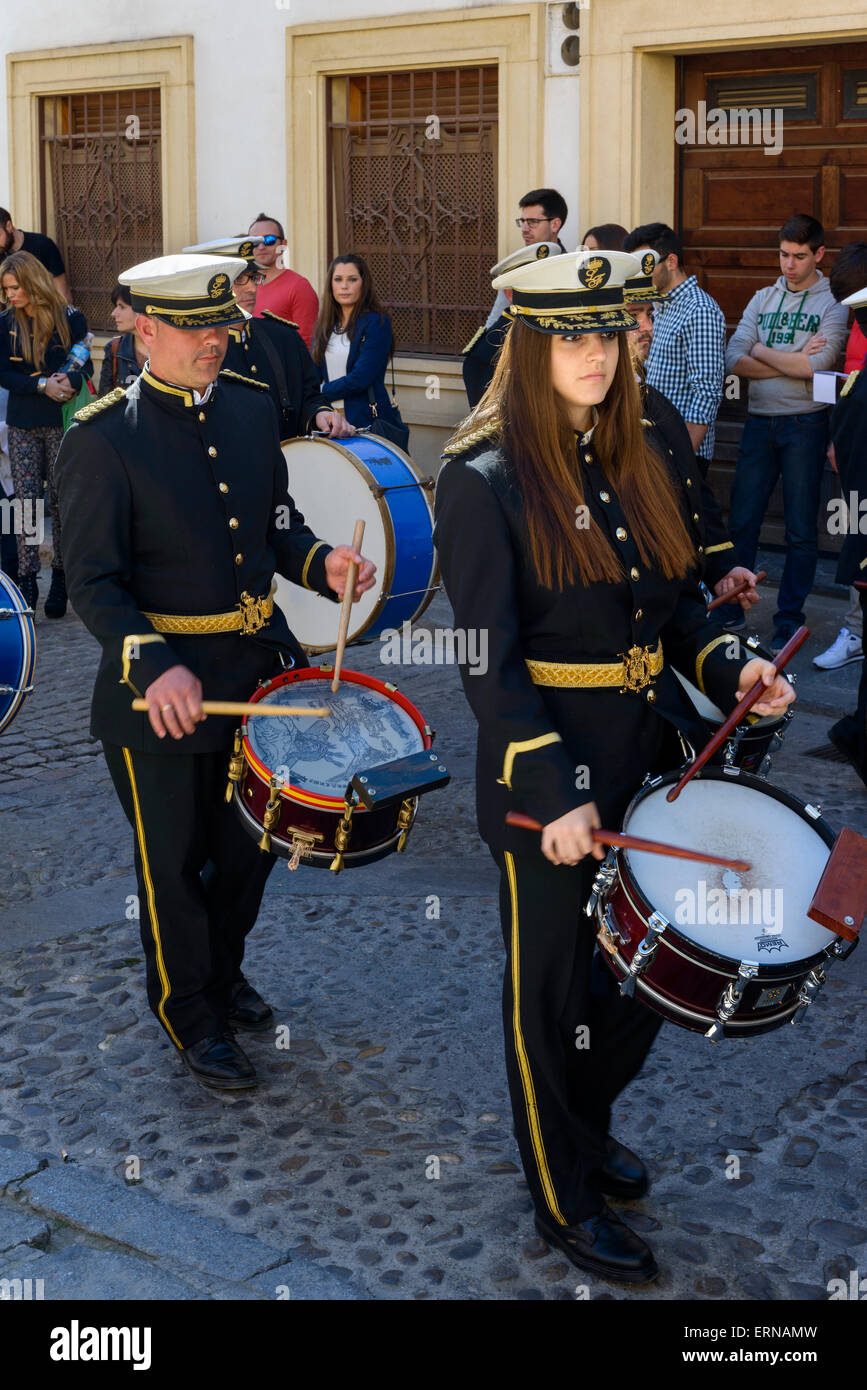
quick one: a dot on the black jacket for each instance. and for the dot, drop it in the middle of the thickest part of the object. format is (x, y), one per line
(544, 751)
(248, 356)
(27, 407)
(175, 508)
(718, 554)
(849, 436)
(120, 368)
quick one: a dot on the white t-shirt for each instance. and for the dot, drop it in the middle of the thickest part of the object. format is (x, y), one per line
(336, 357)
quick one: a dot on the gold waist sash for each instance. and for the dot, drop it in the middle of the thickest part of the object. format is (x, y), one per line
(250, 615)
(636, 669)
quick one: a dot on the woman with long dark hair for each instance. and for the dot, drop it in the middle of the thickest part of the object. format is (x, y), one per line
(125, 354)
(37, 332)
(562, 535)
(352, 344)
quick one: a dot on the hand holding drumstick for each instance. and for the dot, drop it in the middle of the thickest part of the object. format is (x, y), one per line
(351, 591)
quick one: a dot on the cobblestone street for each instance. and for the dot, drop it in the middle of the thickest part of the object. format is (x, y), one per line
(376, 1158)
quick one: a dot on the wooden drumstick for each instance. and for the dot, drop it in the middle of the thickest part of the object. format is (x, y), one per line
(738, 713)
(242, 707)
(357, 538)
(733, 593)
(615, 837)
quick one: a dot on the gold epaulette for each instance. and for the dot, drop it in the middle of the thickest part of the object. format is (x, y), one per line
(87, 412)
(474, 437)
(269, 314)
(849, 382)
(472, 343)
(247, 380)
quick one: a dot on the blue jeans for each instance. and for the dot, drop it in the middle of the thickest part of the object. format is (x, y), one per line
(794, 446)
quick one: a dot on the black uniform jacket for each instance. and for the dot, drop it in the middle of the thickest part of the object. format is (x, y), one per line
(169, 507)
(718, 554)
(248, 356)
(849, 435)
(545, 751)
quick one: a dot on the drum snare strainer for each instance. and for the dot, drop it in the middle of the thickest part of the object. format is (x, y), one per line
(722, 953)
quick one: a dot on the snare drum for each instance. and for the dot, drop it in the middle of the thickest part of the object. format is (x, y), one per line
(752, 744)
(335, 483)
(721, 953)
(290, 774)
(17, 650)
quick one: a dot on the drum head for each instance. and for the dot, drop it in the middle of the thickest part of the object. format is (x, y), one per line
(760, 915)
(329, 486)
(321, 756)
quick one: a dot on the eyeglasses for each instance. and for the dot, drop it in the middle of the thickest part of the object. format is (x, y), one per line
(250, 278)
(270, 240)
(530, 221)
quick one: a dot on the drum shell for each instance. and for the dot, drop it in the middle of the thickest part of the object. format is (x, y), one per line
(373, 832)
(17, 650)
(684, 981)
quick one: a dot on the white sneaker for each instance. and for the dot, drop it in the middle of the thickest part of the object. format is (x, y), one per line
(845, 649)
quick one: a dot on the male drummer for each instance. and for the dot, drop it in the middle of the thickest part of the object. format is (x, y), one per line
(272, 350)
(176, 516)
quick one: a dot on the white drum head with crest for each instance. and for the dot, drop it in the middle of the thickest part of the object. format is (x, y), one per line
(760, 915)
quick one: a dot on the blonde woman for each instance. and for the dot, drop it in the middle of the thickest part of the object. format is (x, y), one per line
(37, 331)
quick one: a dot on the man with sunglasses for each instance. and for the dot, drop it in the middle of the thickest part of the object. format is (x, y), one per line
(284, 291)
(270, 350)
(541, 214)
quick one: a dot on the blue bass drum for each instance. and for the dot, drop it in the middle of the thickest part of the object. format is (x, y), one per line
(17, 650)
(335, 483)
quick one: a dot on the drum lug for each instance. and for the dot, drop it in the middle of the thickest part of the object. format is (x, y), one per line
(272, 815)
(688, 755)
(646, 951)
(604, 877)
(608, 934)
(342, 837)
(731, 998)
(236, 765)
(405, 818)
(814, 811)
(808, 991)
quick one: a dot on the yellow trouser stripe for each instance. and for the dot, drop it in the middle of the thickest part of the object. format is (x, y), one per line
(523, 1060)
(152, 909)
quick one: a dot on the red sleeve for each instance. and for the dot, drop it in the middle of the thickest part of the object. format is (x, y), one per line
(303, 306)
(856, 349)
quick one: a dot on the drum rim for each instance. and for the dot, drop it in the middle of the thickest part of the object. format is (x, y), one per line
(636, 896)
(27, 662)
(317, 799)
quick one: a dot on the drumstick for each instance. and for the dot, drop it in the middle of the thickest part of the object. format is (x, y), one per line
(241, 707)
(738, 713)
(733, 593)
(357, 538)
(614, 837)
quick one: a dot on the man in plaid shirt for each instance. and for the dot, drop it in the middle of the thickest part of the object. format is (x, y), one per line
(686, 363)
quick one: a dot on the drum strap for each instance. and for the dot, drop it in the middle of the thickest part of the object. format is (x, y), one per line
(277, 367)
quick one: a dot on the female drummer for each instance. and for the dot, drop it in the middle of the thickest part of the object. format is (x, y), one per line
(560, 536)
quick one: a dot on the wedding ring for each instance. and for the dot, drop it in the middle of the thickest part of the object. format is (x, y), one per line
(163, 708)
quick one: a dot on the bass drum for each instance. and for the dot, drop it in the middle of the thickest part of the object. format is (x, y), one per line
(17, 650)
(336, 483)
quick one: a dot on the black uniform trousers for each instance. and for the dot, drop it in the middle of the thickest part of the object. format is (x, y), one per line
(201, 877)
(562, 1092)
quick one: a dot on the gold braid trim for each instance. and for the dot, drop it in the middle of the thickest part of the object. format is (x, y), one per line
(87, 412)
(129, 645)
(705, 652)
(467, 441)
(247, 380)
(310, 555)
(724, 545)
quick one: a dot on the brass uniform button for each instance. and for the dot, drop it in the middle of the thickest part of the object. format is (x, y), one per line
(233, 522)
(689, 482)
(639, 614)
(633, 573)
(588, 458)
(695, 516)
(212, 451)
(620, 533)
(701, 550)
(239, 558)
(651, 695)
(201, 415)
(253, 367)
(224, 487)
(605, 497)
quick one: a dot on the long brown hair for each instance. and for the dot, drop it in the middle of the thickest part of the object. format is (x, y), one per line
(329, 317)
(521, 410)
(48, 305)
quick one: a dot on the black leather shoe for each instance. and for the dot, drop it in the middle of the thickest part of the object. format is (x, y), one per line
(605, 1246)
(218, 1062)
(248, 1009)
(56, 600)
(622, 1174)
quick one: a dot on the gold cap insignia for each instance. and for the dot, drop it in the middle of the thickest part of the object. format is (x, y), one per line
(595, 272)
(245, 249)
(542, 252)
(218, 285)
(648, 261)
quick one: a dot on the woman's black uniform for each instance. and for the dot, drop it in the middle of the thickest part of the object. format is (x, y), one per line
(545, 751)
